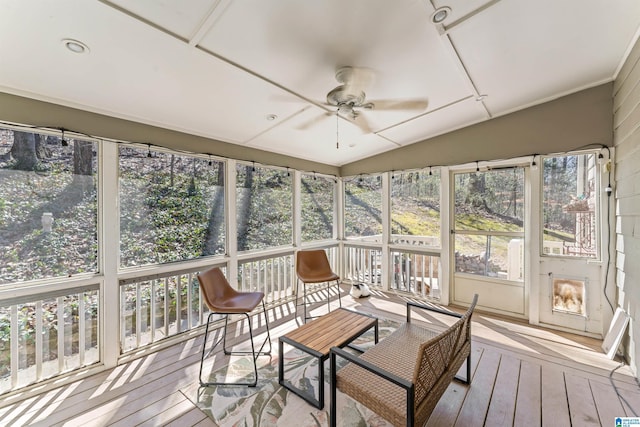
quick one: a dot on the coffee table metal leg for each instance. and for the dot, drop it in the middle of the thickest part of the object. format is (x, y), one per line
(280, 361)
(309, 397)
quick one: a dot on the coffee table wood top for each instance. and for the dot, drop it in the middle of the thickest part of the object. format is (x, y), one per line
(334, 329)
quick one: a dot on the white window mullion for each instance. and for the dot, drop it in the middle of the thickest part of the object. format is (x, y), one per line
(231, 204)
(297, 209)
(445, 234)
(111, 335)
(386, 229)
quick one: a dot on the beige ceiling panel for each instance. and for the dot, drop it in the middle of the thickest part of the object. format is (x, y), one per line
(313, 134)
(523, 51)
(461, 10)
(301, 44)
(171, 15)
(162, 81)
(437, 122)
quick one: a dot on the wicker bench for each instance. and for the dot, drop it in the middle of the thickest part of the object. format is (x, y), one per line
(403, 376)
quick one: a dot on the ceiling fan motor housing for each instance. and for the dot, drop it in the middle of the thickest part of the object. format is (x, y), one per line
(339, 96)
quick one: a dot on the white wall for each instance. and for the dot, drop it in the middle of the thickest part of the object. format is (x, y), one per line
(626, 126)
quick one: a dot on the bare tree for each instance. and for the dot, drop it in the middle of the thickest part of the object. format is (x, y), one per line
(24, 151)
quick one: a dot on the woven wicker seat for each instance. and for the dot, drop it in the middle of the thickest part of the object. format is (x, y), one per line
(403, 377)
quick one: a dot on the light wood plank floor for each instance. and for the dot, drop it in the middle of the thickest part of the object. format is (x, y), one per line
(521, 376)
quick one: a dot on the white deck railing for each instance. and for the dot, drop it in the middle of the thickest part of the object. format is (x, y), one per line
(46, 334)
(412, 267)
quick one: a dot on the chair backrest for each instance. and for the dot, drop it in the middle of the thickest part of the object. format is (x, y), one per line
(215, 287)
(313, 265)
(440, 358)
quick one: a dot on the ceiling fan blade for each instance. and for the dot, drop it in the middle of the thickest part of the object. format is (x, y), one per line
(361, 122)
(315, 120)
(355, 79)
(407, 104)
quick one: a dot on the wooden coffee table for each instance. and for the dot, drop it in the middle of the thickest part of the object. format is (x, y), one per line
(335, 329)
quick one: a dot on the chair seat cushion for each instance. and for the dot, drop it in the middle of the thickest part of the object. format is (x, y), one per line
(241, 302)
(317, 277)
(396, 354)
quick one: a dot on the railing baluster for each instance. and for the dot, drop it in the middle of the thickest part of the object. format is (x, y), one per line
(137, 314)
(15, 355)
(165, 282)
(189, 299)
(81, 328)
(179, 303)
(153, 304)
(39, 346)
(201, 306)
(61, 333)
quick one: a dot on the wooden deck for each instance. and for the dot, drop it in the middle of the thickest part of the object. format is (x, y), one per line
(520, 376)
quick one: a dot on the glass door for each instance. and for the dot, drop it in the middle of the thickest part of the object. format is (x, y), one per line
(571, 271)
(488, 239)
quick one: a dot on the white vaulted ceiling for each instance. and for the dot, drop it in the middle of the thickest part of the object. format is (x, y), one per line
(219, 68)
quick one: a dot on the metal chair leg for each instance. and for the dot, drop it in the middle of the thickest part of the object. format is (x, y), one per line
(253, 353)
(298, 296)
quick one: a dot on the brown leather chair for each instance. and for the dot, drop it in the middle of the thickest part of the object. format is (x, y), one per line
(222, 299)
(312, 266)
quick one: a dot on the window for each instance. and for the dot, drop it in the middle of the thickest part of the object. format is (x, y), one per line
(48, 206)
(317, 198)
(171, 207)
(570, 206)
(264, 207)
(415, 208)
(363, 208)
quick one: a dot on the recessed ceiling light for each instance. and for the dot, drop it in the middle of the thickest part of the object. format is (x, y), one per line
(75, 46)
(440, 14)
(271, 117)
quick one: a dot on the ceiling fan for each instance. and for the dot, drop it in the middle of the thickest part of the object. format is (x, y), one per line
(350, 100)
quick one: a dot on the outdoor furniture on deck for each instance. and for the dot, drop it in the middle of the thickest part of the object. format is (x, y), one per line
(403, 377)
(312, 266)
(336, 329)
(222, 299)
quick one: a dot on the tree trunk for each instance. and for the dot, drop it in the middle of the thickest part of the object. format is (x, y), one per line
(42, 152)
(24, 151)
(82, 157)
(244, 209)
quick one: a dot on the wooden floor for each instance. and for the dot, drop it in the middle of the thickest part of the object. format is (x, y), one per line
(521, 376)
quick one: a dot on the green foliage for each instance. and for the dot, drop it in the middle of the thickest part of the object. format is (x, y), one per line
(166, 207)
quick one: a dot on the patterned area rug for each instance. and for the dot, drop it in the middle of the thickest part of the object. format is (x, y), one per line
(270, 404)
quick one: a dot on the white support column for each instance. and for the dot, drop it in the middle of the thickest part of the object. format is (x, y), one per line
(445, 278)
(386, 230)
(532, 236)
(296, 186)
(338, 223)
(232, 224)
(109, 211)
